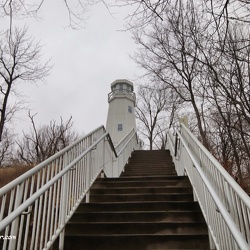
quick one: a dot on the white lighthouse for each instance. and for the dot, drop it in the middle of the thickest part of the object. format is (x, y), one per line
(121, 113)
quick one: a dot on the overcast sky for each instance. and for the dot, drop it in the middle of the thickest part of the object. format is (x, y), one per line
(86, 62)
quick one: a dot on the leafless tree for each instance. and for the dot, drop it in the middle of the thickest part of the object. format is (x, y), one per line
(44, 141)
(169, 55)
(229, 96)
(152, 111)
(19, 9)
(20, 60)
(207, 65)
(201, 50)
(220, 12)
(145, 11)
(6, 147)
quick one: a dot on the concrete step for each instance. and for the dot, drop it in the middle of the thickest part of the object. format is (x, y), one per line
(138, 206)
(160, 183)
(144, 190)
(140, 197)
(136, 242)
(131, 228)
(155, 173)
(122, 182)
(149, 171)
(145, 178)
(139, 216)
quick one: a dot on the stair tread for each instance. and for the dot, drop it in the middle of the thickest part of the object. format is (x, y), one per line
(131, 212)
(139, 222)
(143, 235)
(141, 202)
(144, 194)
(144, 178)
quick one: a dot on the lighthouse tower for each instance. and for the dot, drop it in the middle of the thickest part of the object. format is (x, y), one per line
(121, 115)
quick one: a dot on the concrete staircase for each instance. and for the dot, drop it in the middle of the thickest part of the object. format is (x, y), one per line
(148, 207)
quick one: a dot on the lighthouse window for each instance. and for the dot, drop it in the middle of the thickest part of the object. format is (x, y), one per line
(120, 127)
(129, 109)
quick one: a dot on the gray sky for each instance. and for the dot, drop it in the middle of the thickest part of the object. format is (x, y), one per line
(86, 62)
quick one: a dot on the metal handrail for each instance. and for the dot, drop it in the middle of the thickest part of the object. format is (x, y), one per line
(38, 167)
(124, 142)
(240, 192)
(52, 191)
(226, 207)
(123, 150)
(5, 222)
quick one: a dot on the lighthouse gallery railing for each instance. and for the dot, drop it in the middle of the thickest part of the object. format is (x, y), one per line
(225, 206)
(36, 206)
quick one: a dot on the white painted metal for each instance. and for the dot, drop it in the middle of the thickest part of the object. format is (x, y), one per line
(123, 150)
(36, 206)
(225, 206)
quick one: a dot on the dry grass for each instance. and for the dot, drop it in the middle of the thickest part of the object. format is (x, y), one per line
(10, 173)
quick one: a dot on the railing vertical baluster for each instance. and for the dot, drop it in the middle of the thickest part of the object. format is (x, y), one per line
(63, 202)
(38, 229)
(15, 223)
(87, 177)
(53, 194)
(57, 198)
(23, 218)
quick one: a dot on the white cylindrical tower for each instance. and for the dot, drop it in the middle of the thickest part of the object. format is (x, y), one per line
(121, 115)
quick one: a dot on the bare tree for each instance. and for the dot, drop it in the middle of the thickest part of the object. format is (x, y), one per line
(145, 11)
(220, 12)
(201, 49)
(6, 148)
(151, 111)
(228, 94)
(20, 60)
(44, 141)
(169, 55)
(19, 9)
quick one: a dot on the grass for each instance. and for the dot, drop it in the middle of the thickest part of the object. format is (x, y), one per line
(8, 174)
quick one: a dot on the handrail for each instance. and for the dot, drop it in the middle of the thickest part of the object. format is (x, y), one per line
(52, 191)
(226, 207)
(241, 242)
(35, 169)
(124, 142)
(5, 222)
(123, 149)
(243, 195)
(112, 145)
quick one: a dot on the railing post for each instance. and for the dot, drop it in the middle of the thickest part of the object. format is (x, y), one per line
(103, 157)
(15, 223)
(63, 203)
(211, 241)
(88, 175)
(114, 166)
(89, 165)
(176, 145)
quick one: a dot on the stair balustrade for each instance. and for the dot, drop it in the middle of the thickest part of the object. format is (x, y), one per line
(225, 205)
(36, 206)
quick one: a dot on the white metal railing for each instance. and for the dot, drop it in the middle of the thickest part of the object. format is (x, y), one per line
(225, 205)
(123, 148)
(36, 206)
